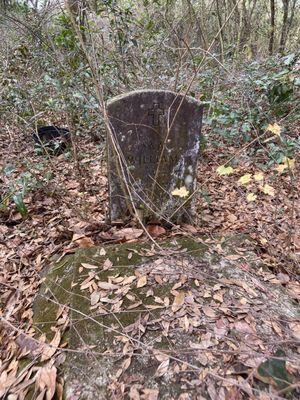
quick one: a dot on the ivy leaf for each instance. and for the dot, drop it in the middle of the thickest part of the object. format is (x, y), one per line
(251, 197)
(274, 372)
(275, 128)
(222, 170)
(182, 192)
(245, 179)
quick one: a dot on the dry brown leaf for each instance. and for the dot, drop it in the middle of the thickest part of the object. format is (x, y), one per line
(243, 327)
(142, 281)
(178, 301)
(134, 393)
(127, 234)
(83, 241)
(295, 328)
(233, 257)
(107, 264)
(189, 228)
(107, 286)
(89, 266)
(126, 363)
(95, 297)
(156, 230)
(163, 367)
(128, 280)
(150, 394)
(276, 328)
(209, 312)
(46, 381)
(160, 356)
(49, 350)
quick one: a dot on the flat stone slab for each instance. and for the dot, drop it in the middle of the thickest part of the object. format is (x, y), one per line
(144, 324)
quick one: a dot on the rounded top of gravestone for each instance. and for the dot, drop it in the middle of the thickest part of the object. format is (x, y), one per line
(133, 93)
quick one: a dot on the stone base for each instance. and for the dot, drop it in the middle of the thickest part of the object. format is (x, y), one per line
(155, 323)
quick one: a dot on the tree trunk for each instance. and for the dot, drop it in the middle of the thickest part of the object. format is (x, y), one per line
(272, 29)
(221, 32)
(284, 29)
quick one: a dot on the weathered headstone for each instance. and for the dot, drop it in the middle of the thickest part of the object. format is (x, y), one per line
(153, 147)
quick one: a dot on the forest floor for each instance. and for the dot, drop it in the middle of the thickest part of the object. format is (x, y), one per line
(67, 205)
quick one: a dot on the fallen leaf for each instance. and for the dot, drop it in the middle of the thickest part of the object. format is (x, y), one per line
(156, 230)
(233, 257)
(222, 170)
(89, 266)
(267, 189)
(128, 280)
(150, 394)
(287, 163)
(178, 301)
(95, 297)
(243, 327)
(251, 197)
(162, 368)
(245, 179)
(274, 128)
(189, 228)
(127, 234)
(49, 349)
(46, 381)
(107, 264)
(295, 327)
(259, 176)
(107, 286)
(142, 281)
(209, 312)
(182, 192)
(160, 356)
(82, 241)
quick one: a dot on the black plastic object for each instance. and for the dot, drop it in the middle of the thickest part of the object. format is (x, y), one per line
(52, 139)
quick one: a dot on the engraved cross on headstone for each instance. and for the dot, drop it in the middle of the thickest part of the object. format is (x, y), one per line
(156, 112)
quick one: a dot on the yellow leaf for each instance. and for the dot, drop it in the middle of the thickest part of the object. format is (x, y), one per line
(251, 197)
(222, 170)
(259, 176)
(280, 168)
(263, 240)
(290, 162)
(182, 192)
(245, 179)
(287, 163)
(267, 189)
(275, 128)
(142, 281)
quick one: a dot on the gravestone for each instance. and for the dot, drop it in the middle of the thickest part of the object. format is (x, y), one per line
(153, 148)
